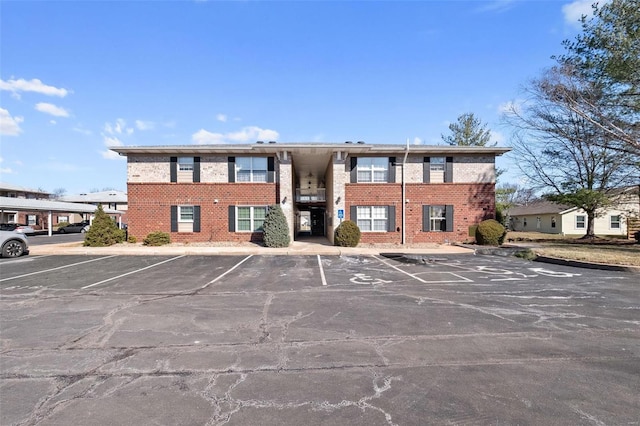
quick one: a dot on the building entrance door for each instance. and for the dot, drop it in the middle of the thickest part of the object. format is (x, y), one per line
(317, 221)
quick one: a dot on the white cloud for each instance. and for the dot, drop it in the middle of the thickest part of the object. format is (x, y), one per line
(510, 107)
(417, 141)
(9, 126)
(6, 170)
(497, 137)
(497, 6)
(574, 11)
(111, 142)
(34, 85)
(246, 134)
(118, 128)
(79, 129)
(221, 117)
(145, 125)
(52, 109)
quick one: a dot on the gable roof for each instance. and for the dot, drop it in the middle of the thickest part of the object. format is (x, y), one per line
(540, 207)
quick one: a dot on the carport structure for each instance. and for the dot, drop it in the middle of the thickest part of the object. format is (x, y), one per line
(21, 204)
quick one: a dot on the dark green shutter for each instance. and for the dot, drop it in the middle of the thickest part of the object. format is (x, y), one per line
(353, 213)
(232, 169)
(196, 169)
(426, 170)
(426, 223)
(232, 218)
(392, 170)
(354, 169)
(196, 218)
(448, 171)
(173, 172)
(448, 214)
(174, 218)
(271, 167)
(391, 216)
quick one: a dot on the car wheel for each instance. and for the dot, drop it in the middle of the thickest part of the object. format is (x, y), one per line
(61, 231)
(82, 231)
(13, 249)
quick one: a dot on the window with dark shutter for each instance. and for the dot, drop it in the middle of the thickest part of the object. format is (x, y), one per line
(196, 218)
(174, 218)
(196, 169)
(232, 169)
(448, 172)
(232, 218)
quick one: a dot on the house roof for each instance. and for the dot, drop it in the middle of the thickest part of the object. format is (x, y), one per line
(97, 197)
(540, 207)
(273, 147)
(11, 203)
(17, 188)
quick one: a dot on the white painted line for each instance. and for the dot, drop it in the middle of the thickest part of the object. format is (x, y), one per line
(132, 272)
(324, 279)
(400, 270)
(55, 269)
(228, 271)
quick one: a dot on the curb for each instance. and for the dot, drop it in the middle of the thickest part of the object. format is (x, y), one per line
(586, 265)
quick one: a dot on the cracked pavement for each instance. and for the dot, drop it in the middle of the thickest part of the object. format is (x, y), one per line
(266, 340)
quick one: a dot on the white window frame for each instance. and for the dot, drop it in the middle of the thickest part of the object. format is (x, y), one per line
(32, 219)
(185, 164)
(377, 169)
(183, 214)
(618, 221)
(438, 223)
(581, 221)
(252, 218)
(255, 171)
(437, 164)
(62, 219)
(373, 218)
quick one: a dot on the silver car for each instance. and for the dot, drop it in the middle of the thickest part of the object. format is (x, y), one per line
(13, 244)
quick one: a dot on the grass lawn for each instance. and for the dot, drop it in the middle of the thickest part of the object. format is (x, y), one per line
(610, 250)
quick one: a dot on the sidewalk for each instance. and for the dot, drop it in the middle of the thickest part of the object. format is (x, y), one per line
(297, 248)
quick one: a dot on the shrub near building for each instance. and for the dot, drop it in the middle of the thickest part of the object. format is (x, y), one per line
(103, 231)
(347, 234)
(275, 228)
(490, 233)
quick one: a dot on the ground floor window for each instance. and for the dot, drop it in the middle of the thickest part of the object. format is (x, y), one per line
(581, 221)
(372, 218)
(553, 222)
(614, 222)
(250, 218)
(437, 218)
(32, 219)
(185, 218)
(63, 219)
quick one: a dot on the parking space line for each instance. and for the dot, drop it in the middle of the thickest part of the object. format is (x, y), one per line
(226, 272)
(55, 269)
(132, 272)
(322, 277)
(400, 270)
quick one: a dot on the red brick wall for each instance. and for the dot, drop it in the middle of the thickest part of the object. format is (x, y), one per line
(472, 203)
(150, 208)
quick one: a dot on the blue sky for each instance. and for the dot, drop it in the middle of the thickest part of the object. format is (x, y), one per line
(78, 77)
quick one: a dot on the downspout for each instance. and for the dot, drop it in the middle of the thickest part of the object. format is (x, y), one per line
(404, 191)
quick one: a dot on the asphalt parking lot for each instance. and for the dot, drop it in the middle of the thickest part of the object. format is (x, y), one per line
(331, 340)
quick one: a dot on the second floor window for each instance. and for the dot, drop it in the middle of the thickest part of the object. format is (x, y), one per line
(373, 169)
(251, 169)
(185, 164)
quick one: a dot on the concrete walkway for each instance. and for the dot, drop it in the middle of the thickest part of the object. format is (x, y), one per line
(309, 246)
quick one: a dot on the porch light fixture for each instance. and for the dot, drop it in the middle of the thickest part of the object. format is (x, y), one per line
(338, 200)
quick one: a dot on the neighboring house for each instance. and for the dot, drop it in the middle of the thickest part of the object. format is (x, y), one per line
(114, 200)
(36, 219)
(552, 218)
(395, 193)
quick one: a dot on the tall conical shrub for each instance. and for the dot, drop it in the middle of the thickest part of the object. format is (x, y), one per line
(103, 231)
(275, 228)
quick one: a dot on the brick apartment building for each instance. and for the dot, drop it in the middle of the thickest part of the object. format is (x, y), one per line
(395, 193)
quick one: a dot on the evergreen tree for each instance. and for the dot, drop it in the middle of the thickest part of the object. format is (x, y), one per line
(275, 228)
(468, 131)
(103, 231)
